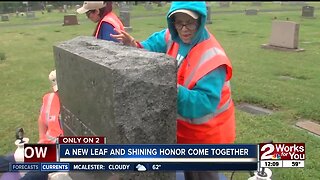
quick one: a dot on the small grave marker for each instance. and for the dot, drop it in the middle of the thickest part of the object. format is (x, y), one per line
(70, 19)
(253, 109)
(5, 17)
(251, 11)
(308, 11)
(309, 126)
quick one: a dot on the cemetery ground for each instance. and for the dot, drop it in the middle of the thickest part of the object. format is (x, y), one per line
(27, 53)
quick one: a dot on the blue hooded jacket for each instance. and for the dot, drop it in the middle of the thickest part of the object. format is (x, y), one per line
(204, 97)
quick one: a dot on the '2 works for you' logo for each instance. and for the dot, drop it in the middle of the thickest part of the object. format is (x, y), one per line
(282, 151)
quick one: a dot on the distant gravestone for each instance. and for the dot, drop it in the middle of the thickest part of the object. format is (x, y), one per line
(284, 36)
(256, 3)
(224, 4)
(294, 3)
(65, 8)
(123, 6)
(77, 6)
(125, 18)
(308, 11)
(31, 14)
(209, 21)
(251, 11)
(5, 17)
(148, 6)
(70, 19)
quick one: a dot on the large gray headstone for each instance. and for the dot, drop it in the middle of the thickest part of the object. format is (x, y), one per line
(308, 11)
(125, 18)
(125, 94)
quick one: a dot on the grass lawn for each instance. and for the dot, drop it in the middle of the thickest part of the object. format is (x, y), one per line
(26, 58)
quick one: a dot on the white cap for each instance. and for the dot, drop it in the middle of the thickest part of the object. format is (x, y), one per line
(193, 14)
(53, 80)
(90, 5)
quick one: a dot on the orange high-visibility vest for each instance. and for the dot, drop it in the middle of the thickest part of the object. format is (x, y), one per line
(215, 128)
(49, 119)
(112, 19)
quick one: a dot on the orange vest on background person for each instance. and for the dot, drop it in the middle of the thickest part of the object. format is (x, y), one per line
(112, 19)
(49, 119)
(215, 128)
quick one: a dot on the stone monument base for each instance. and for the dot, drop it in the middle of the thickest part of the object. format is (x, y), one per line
(268, 46)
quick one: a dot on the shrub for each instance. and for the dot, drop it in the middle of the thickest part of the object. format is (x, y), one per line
(2, 56)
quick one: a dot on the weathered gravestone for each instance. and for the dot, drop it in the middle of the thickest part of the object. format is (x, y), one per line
(70, 19)
(308, 11)
(31, 14)
(125, 18)
(4, 17)
(125, 94)
(251, 11)
(284, 36)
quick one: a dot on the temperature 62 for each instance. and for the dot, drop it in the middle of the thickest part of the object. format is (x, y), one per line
(156, 166)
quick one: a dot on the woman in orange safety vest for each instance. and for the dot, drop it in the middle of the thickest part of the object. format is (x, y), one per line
(205, 107)
(101, 13)
(49, 118)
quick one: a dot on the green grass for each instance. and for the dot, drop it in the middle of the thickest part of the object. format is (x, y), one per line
(29, 59)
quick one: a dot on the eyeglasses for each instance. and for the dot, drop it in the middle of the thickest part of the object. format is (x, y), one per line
(89, 12)
(191, 26)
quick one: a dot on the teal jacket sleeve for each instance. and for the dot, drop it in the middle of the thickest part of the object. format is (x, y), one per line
(204, 97)
(156, 42)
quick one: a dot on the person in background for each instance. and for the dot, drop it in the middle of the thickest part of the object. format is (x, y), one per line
(49, 127)
(101, 13)
(205, 110)
(49, 119)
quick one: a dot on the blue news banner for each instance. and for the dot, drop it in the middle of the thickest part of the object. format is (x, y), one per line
(146, 157)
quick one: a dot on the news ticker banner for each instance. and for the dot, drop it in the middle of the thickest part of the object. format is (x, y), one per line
(142, 152)
(131, 166)
(282, 155)
(94, 151)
